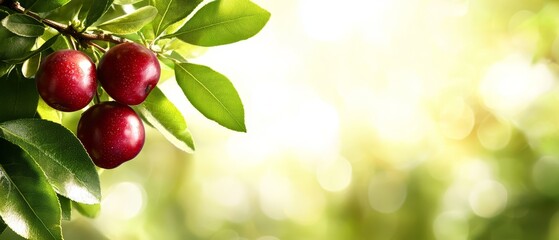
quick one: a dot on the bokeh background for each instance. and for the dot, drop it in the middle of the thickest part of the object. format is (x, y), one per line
(367, 119)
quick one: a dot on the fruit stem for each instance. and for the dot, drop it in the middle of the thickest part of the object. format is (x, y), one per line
(74, 46)
(95, 45)
(82, 37)
(96, 98)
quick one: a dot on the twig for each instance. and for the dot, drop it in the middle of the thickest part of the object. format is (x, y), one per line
(82, 37)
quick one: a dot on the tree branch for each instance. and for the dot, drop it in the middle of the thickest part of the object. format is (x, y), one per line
(82, 37)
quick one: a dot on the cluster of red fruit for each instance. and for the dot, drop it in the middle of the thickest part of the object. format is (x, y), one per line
(111, 132)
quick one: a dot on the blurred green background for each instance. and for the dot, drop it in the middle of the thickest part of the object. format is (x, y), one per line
(367, 119)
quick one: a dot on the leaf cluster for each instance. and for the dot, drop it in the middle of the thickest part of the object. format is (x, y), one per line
(44, 169)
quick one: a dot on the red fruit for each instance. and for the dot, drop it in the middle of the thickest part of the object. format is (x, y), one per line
(66, 80)
(128, 72)
(112, 133)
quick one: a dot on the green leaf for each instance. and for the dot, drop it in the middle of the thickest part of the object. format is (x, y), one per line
(212, 94)
(5, 68)
(170, 59)
(185, 50)
(30, 54)
(3, 13)
(87, 11)
(2, 226)
(28, 205)
(124, 2)
(60, 155)
(167, 61)
(162, 114)
(65, 207)
(171, 11)
(96, 9)
(88, 210)
(223, 22)
(42, 5)
(31, 65)
(18, 96)
(147, 32)
(19, 46)
(23, 25)
(130, 23)
(48, 113)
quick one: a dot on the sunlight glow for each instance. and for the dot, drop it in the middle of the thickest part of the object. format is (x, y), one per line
(456, 119)
(467, 175)
(472, 170)
(275, 195)
(513, 83)
(226, 191)
(398, 115)
(249, 150)
(334, 175)
(281, 199)
(454, 8)
(124, 200)
(488, 198)
(397, 120)
(387, 192)
(455, 198)
(322, 22)
(494, 134)
(361, 115)
(330, 20)
(380, 25)
(228, 197)
(451, 225)
(311, 131)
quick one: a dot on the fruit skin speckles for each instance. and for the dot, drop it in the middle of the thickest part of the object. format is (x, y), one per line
(128, 72)
(112, 133)
(67, 80)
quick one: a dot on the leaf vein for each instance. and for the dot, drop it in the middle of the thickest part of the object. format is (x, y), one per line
(214, 24)
(163, 17)
(47, 154)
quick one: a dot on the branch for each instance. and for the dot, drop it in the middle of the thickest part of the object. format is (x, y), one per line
(82, 37)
